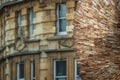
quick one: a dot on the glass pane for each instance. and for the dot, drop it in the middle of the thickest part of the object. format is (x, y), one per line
(60, 68)
(19, 23)
(19, 19)
(77, 70)
(31, 22)
(62, 10)
(31, 16)
(31, 29)
(61, 79)
(21, 70)
(78, 78)
(33, 69)
(62, 25)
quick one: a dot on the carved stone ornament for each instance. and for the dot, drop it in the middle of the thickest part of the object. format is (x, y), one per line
(66, 43)
(19, 44)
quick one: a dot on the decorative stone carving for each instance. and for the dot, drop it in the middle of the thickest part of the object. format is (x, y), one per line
(19, 44)
(66, 43)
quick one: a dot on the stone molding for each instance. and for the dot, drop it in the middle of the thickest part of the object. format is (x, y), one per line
(28, 52)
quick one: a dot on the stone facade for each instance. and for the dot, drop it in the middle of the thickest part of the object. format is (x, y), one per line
(97, 39)
(44, 48)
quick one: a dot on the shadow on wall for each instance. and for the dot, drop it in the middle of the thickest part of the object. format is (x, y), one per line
(97, 39)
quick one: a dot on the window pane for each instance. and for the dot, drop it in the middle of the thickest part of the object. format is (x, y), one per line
(62, 10)
(21, 70)
(61, 79)
(77, 70)
(62, 25)
(19, 23)
(19, 19)
(31, 29)
(33, 69)
(78, 78)
(31, 17)
(60, 68)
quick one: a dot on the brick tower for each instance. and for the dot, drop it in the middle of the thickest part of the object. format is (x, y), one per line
(97, 39)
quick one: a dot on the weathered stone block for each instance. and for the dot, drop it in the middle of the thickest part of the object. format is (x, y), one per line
(70, 28)
(70, 4)
(24, 11)
(53, 45)
(70, 16)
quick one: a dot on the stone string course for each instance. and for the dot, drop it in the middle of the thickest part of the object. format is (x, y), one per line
(97, 39)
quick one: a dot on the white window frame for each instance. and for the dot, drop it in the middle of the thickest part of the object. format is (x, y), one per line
(55, 77)
(31, 27)
(32, 78)
(18, 71)
(58, 21)
(76, 75)
(19, 21)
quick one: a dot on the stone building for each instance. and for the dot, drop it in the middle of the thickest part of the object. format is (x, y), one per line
(36, 40)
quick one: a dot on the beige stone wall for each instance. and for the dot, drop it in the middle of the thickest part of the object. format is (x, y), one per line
(45, 32)
(44, 22)
(97, 39)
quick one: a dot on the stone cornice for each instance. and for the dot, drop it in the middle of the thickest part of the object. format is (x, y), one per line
(26, 41)
(42, 2)
(57, 1)
(59, 50)
(38, 40)
(32, 40)
(28, 52)
(59, 38)
(9, 3)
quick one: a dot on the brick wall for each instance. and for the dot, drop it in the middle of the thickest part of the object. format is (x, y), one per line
(97, 39)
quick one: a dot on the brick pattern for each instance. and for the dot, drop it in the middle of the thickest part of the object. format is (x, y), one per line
(97, 39)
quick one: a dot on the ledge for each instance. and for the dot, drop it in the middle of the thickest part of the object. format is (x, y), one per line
(56, 1)
(59, 38)
(15, 54)
(27, 52)
(59, 50)
(43, 2)
(10, 3)
(32, 40)
(26, 41)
